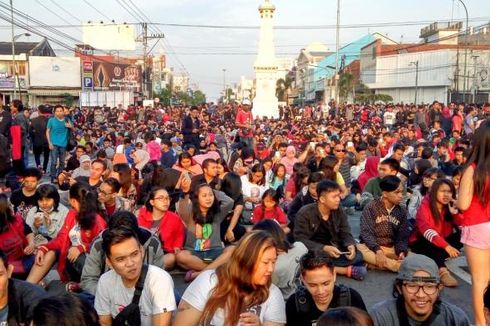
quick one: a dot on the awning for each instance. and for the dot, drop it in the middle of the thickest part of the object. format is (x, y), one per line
(54, 92)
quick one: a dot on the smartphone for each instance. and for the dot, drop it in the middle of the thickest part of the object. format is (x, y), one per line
(350, 144)
(345, 253)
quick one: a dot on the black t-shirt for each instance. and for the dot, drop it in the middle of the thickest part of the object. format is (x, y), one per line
(322, 234)
(309, 313)
(22, 203)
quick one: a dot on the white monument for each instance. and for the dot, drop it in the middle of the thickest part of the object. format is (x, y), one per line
(265, 102)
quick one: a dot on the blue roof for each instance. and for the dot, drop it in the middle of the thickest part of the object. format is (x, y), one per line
(352, 52)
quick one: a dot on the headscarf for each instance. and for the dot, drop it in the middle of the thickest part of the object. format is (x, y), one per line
(370, 171)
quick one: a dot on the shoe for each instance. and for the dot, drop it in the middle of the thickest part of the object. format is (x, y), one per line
(189, 276)
(447, 279)
(357, 272)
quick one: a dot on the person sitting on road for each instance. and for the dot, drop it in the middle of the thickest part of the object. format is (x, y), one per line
(17, 298)
(109, 200)
(129, 277)
(417, 292)
(95, 263)
(47, 218)
(202, 216)
(25, 198)
(372, 190)
(269, 209)
(239, 292)
(323, 226)
(384, 227)
(156, 217)
(288, 256)
(437, 234)
(318, 292)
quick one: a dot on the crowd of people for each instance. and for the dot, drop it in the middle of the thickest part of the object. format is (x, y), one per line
(254, 211)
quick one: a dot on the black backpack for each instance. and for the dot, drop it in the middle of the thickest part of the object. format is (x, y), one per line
(130, 315)
(303, 300)
(5, 155)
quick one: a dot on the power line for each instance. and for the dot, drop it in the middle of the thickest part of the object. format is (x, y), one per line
(51, 11)
(63, 9)
(97, 10)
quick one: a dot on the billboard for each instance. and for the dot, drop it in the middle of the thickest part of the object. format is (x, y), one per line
(7, 80)
(54, 72)
(109, 37)
(116, 76)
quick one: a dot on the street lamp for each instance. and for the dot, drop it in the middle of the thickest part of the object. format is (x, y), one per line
(14, 66)
(416, 64)
(465, 51)
(337, 54)
(224, 84)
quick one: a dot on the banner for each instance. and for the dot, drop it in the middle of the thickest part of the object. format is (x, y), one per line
(54, 72)
(114, 76)
(7, 80)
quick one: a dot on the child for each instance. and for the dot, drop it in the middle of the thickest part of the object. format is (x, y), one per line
(269, 209)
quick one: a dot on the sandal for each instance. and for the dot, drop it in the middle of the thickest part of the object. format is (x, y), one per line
(189, 276)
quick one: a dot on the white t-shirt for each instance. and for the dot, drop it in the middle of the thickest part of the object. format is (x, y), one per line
(249, 189)
(389, 118)
(197, 294)
(157, 296)
(75, 235)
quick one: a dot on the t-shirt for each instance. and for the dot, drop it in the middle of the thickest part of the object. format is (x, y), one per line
(389, 118)
(197, 294)
(4, 313)
(156, 298)
(58, 132)
(310, 313)
(386, 314)
(22, 203)
(245, 118)
(75, 235)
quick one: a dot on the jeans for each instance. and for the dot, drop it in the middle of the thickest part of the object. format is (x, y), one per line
(57, 153)
(44, 150)
(349, 201)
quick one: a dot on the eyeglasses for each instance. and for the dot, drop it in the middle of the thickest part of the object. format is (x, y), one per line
(105, 193)
(428, 288)
(340, 150)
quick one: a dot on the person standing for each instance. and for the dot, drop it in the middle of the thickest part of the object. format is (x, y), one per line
(39, 141)
(191, 126)
(473, 199)
(20, 120)
(57, 134)
(244, 121)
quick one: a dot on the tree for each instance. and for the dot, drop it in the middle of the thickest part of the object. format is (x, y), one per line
(164, 95)
(198, 97)
(282, 88)
(346, 83)
(68, 99)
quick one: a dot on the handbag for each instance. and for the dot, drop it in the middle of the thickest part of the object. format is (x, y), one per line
(130, 315)
(72, 141)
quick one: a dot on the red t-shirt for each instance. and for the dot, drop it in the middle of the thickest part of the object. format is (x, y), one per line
(269, 214)
(245, 118)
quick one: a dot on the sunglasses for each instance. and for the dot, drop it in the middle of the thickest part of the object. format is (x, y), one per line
(340, 150)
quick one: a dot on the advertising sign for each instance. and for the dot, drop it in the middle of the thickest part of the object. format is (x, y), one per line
(7, 80)
(115, 76)
(54, 72)
(87, 66)
(109, 36)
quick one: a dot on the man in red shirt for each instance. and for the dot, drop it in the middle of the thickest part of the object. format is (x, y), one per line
(244, 121)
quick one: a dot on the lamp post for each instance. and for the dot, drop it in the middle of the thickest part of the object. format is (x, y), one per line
(416, 64)
(465, 52)
(14, 65)
(337, 54)
(224, 84)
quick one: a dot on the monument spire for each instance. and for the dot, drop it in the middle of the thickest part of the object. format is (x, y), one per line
(265, 102)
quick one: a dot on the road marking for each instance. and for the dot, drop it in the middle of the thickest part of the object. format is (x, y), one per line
(454, 265)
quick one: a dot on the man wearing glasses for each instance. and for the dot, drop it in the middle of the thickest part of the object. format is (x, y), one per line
(417, 298)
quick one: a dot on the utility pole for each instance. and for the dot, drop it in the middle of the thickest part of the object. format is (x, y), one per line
(465, 78)
(337, 54)
(475, 84)
(416, 64)
(144, 39)
(13, 50)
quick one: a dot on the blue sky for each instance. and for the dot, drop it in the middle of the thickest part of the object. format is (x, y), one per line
(191, 43)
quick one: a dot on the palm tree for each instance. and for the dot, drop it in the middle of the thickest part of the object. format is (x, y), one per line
(282, 88)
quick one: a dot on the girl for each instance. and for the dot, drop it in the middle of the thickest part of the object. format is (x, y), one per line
(16, 239)
(156, 217)
(269, 210)
(48, 216)
(473, 200)
(122, 173)
(428, 178)
(436, 234)
(253, 187)
(202, 216)
(82, 225)
(279, 177)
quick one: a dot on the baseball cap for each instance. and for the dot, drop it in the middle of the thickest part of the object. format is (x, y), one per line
(246, 101)
(414, 263)
(84, 158)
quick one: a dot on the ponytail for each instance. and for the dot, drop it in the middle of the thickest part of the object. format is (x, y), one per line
(88, 205)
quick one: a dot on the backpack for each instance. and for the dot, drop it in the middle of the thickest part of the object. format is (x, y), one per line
(303, 301)
(5, 155)
(131, 315)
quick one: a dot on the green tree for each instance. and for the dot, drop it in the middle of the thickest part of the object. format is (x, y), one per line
(68, 99)
(283, 86)
(346, 83)
(164, 95)
(198, 97)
